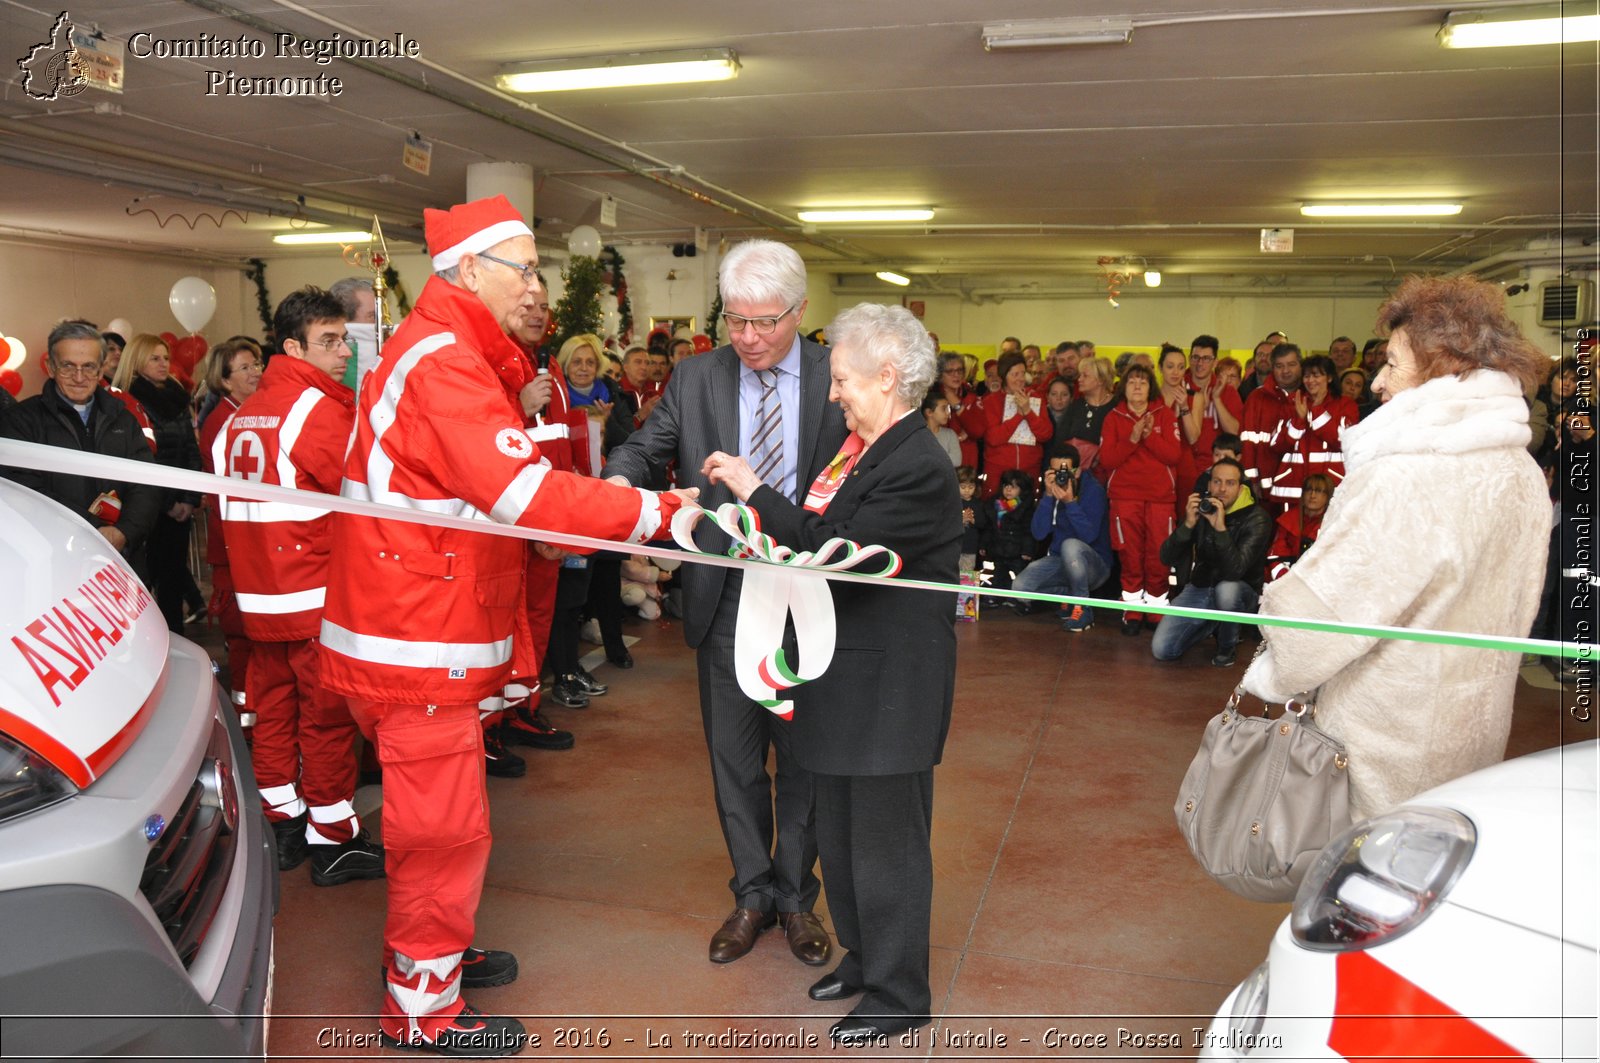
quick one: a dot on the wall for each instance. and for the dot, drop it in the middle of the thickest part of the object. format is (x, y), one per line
(41, 286)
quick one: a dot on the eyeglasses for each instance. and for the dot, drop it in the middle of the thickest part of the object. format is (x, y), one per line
(80, 372)
(331, 344)
(764, 326)
(1202, 358)
(245, 367)
(524, 271)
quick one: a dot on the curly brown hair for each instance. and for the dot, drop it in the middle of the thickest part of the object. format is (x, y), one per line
(1458, 325)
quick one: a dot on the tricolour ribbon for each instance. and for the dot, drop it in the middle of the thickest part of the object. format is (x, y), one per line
(774, 591)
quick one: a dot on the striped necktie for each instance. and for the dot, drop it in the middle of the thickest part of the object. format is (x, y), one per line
(766, 443)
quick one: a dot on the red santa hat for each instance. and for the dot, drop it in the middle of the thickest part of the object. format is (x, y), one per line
(470, 228)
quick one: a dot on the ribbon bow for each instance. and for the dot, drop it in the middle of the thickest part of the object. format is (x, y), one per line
(770, 596)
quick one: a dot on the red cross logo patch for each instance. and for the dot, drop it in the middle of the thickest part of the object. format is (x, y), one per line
(245, 457)
(514, 443)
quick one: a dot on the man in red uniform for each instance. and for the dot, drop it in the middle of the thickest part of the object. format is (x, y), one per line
(292, 433)
(1264, 430)
(424, 622)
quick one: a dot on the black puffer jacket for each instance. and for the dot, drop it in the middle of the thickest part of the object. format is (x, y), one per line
(48, 418)
(177, 446)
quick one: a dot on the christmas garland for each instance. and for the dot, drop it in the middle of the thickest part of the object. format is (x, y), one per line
(391, 280)
(715, 319)
(619, 287)
(258, 273)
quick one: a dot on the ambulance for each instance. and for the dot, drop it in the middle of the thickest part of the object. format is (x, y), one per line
(137, 877)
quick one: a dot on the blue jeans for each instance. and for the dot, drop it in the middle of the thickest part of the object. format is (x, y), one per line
(1076, 571)
(1175, 634)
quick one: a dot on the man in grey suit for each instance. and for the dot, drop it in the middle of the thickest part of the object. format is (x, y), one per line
(763, 396)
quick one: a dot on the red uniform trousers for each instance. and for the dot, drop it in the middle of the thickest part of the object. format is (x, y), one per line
(1138, 528)
(541, 600)
(436, 850)
(225, 607)
(304, 741)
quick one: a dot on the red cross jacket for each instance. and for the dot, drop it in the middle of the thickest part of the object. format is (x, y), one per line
(292, 432)
(1145, 471)
(1314, 445)
(423, 615)
(1261, 431)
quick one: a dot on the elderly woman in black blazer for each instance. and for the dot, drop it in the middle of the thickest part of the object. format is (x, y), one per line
(872, 727)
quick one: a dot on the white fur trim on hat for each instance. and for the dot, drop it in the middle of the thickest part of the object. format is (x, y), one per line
(481, 240)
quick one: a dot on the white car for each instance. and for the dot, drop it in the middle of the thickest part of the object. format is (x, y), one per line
(1461, 924)
(137, 876)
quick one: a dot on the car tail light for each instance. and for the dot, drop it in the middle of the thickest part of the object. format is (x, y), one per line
(28, 782)
(1381, 878)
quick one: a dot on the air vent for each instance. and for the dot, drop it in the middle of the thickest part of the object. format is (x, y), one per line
(1566, 303)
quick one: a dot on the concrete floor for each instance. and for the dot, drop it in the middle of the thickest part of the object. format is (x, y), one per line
(1064, 897)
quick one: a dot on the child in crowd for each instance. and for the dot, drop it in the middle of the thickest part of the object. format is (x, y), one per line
(1013, 545)
(977, 520)
(644, 583)
(1298, 527)
(936, 415)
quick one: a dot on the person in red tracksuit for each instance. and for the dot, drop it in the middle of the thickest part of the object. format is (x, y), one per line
(1140, 448)
(423, 622)
(232, 374)
(293, 433)
(1016, 427)
(1263, 429)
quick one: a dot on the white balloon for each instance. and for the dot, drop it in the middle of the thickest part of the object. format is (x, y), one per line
(193, 301)
(611, 321)
(122, 327)
(608, 302)
(17, 355)
(584, 242)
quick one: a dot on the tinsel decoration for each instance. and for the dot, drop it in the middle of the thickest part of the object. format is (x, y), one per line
(258, 273)
(391, 279)
(714, 321)
(619, 288)
(578, 311)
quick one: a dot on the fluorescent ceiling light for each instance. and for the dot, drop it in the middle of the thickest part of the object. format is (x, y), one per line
(1515, 26)
(323, 236)
(618, 71)
(1056, 32)
(893, 278)
(1380, 210)
(848, 214)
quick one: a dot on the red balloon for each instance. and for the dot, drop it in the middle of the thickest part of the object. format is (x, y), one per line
(189, 351)
(702, 343)
(5, 350)
(171, 340)
(11, 380)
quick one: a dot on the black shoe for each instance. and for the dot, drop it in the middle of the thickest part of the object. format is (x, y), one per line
(589, 684)
(195, 615)
(498, 760)
(568, 692)
(290, 836)
(356, 858)
(1131, 627)
(532, 729)
(1225, 658)
(482, 968)
(623, 659)
(832, 987)
(1151, 622)
(473, 1035)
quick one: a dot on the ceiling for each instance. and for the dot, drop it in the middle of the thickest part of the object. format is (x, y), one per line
(1175, 149)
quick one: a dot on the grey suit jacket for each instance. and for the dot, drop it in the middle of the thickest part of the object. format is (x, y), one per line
(699, 414)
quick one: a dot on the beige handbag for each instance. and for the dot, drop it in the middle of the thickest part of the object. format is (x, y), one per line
(1262, 797)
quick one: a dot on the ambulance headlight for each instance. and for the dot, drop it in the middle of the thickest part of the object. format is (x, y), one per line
(28, 782)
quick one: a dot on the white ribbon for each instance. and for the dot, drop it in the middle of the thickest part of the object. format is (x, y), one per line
(772, 593)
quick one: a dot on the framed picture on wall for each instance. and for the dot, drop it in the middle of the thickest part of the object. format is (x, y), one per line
(675, 326)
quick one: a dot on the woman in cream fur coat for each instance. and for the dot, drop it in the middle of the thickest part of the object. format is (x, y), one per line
(1441, 522)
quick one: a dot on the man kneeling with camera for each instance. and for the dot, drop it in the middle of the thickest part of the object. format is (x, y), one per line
(1219, 554)
(1072, 516)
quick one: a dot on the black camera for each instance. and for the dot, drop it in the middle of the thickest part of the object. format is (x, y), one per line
(1065, 477)
(1207, 506)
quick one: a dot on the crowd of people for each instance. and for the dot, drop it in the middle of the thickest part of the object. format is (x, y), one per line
(1093, 477)
(1185, 478)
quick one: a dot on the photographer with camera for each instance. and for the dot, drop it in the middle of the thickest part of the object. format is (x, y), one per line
(1072, 515)
(1219, 553)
